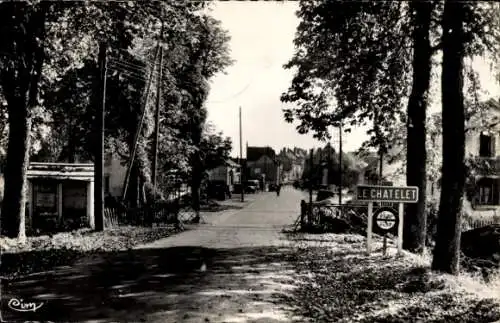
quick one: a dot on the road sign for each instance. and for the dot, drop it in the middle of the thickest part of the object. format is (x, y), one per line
(401, 194)
(385, 219)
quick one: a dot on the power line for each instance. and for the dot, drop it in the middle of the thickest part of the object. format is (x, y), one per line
(152, 67)
(135, 63)
(127, 65)
(136, 72)
(124, 70)
(130, 76)
(232, 96)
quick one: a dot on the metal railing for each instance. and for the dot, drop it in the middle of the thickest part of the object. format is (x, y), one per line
(165, 213)
(319, 214)
(485, 166)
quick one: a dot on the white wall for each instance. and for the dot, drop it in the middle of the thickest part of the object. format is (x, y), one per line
(220, 173)
(116, 173)
(472, 143)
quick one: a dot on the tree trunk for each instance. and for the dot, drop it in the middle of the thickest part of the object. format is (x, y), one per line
(14, 202)
(196, 184)
(20, 84)
(416, 156)
(447, 250)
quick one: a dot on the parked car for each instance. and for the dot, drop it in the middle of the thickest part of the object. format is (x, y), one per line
(252, 186)
(248, 188)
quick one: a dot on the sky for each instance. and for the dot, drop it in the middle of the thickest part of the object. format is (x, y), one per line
(261, 43)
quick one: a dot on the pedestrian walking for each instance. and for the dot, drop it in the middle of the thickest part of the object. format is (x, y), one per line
(278, 189)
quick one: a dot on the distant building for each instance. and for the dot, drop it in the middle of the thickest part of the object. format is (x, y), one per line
(262, 164)
(482, 146)
(229, 173)
(292, 164)
(392, 170)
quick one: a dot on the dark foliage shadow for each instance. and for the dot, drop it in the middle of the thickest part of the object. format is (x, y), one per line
(46, 257)
(123, 286)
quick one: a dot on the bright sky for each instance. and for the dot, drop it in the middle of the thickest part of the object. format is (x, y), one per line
(262, 36)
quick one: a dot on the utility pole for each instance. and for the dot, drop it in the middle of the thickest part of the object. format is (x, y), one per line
(311, 166)
(157, 126)
(381, 163)
(157, 121)
(242, 168)
(99, 148)
(139, 128)
(340, 163)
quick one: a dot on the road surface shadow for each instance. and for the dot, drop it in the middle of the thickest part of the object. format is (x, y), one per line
(178, 284)
(220, 207)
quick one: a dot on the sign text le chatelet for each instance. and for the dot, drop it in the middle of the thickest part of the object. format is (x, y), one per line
(405, 194)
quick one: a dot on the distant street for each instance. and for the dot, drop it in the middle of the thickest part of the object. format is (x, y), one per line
(257, 224)
(230, 269)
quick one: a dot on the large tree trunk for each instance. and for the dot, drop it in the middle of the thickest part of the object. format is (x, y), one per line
(20, 80)
(14, 202)
(447, 249)
(416, 156)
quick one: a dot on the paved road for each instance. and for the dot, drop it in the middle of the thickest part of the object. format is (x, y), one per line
(259, 223)
(235, 268)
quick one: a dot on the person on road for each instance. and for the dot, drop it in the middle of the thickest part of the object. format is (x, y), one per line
(278, 188)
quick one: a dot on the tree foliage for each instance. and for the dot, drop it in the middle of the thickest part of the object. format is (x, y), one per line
(48, 76)
(351, 64)
(215, 148)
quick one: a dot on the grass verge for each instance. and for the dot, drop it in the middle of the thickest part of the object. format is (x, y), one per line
(343, 284)
(44, 253)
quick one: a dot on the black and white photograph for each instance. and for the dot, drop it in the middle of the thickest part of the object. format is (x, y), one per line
(260, 161)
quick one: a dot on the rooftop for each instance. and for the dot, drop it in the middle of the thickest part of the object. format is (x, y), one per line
(71, 171)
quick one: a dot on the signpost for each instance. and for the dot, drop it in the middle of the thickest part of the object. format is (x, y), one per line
(385, 218)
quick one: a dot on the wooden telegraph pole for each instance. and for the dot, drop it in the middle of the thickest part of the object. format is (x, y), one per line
(157, 122)
(311, 166)
(99, 152)
(340, 163)
(242, 167)
(139, 128)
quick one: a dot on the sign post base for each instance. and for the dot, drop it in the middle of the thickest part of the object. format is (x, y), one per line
(400, 229)
(369, 229)
(384, 245)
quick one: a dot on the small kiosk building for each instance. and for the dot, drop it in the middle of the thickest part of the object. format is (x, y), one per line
(61, 196)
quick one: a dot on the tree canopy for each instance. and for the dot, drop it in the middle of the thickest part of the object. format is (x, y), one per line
(49, 75)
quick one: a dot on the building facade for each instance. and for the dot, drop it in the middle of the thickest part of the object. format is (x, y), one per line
(483, 153)
(262, 164)
(228, 173)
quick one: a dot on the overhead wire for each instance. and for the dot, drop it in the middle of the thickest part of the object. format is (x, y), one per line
(130, 76)
(124, 70)
(140, 68)
(126, 65)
